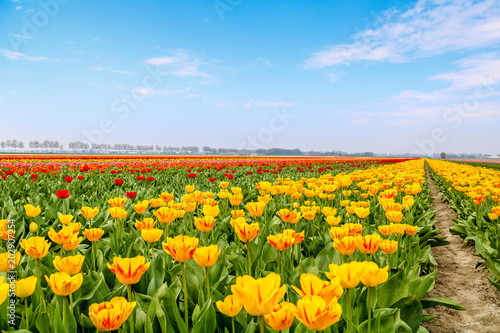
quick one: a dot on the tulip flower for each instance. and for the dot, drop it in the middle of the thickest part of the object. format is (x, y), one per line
(386, 229)
(362, 212)
(388, 246)
(333, 220)
(118, 212)
(189, 188)
(289, 216)
(298, 237)
(372, 276)
(394, 216)
(117, 202)
(61, 237)
(255, 209)
(33, 227)
(63, 194)
(166, 215)
(31, 211)
(211, 211)
(9, 262)
(353, 229)
(281, 241)
(157, 202)
(282, 316)
(151, 235)
(4, 290)
(89, 213)
(65, 219)
(71, 265)
(36, 247)
(231, 306)
(338, 232)
(25, 287)
(316, 314)
(182, 248)
(237, 213)
(204, 224)
(207, 257)
(346, 245)
(93, 234)
(235, 199)
(62, 284)
(411, 230)
(246, 232)
(259, 296)
(369, 244)
(310, 284)
(109, 316)
(309, 215)
(129, 270)
(73, 242)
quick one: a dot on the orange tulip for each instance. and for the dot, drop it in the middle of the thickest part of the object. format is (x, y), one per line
(129, 270)
(181, 248)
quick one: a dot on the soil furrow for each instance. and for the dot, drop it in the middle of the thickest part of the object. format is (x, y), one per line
(459, 280)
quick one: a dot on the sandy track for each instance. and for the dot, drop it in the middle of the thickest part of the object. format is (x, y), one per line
(457, 279)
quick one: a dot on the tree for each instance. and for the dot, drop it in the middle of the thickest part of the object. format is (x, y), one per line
(443, 155)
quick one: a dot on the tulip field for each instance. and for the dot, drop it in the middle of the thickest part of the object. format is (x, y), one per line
(237, 244)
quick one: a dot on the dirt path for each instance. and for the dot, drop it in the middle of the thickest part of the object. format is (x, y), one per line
(457, 279)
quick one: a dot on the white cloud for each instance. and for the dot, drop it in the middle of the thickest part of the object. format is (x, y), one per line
(163, 92)
(430, 27)
(18, 7)
(109, 69)
(19, 56)
(264, 104)
(360, 121)
(182, 64)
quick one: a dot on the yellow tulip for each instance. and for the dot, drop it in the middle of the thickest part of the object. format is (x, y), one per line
(372, 275)
(346, 245)
(109, 316)
(4, 290)
(349, 274)
(151, 235)
(204, 224)
(388, 246)
(369, 244)
(25, 287)
(255, 209)
(73, 242)
(71, 264)
(362, 212)
(31, 211)
(298, 237)
(117, 202)
(310, 284)
(207, 256)
(289, 216)
(181, 248)
(259, 296)
(118, 212)
(394, 216)
(281, 241)
(235, 199)
(147, 223)
(93, 234)
(89, 213)
(36, 247)
(386, 229)
(165, 215)
(246, 232)
(237, 213)
(281, 318)
(189, 188)
(316, 314)
(129, 270)
(338, 233)
(141, 207)
(9, 262)
(62, 284)
(65, 219)
(231, 306)
(33, 227)
(333, 220)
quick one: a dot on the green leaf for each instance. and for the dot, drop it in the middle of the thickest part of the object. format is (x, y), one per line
(431, 302)
(394, 289)
(206, 321)
(410, 311)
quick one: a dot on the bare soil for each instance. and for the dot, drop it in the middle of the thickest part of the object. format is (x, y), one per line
(459, 280)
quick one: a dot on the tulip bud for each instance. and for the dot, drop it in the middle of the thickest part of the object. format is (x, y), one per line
(33, 227)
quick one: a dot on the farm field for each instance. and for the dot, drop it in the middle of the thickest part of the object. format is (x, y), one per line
(486, 164)
(214, 245)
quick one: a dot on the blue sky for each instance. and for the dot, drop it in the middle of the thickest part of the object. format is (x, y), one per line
(382, 76)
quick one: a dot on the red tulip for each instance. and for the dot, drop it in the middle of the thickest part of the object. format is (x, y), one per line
(63, 194)
(34, 175)
(80, 177)
(4, 176)
(118, 181)
(211, 179)
(230, 177)
(131, 195)
(113, 172)
(68, 179)
(151, 179)
(249, 172)
(191, 175)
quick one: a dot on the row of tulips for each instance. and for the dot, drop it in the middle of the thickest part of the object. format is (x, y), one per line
(345, 252)
(474, 193)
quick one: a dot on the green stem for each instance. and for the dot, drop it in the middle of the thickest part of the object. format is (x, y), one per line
(71, 302)
(249, 255)
(349, 311)
(208, 281)
(369, 309)
(130, 299)
(64, 302)
(232, 324)
(261, 324)
(94, 256)
(185, 296)
(27, 313)
(206, 239)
